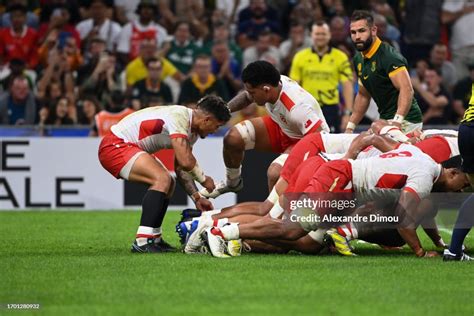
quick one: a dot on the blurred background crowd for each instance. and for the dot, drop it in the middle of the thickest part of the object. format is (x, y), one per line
(90, 63)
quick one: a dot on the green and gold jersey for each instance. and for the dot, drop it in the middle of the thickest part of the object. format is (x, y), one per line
(374, 70)
(469, 114)
(320, 76)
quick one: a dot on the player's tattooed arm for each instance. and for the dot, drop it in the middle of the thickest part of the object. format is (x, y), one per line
(240, 101)
(185, 180)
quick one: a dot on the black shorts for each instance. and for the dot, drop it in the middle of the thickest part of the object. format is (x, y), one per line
(466, 147)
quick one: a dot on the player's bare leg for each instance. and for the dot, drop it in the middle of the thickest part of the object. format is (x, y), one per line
(148, 170)
(273, 171)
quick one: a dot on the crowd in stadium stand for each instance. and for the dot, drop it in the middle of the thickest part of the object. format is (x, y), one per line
(92, 62)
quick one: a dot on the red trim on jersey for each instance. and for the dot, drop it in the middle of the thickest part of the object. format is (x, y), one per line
(178, 136)
(437, 147)
(287, 102)
(392, 181)
(314, 128)
(408, 189)
(150, 127)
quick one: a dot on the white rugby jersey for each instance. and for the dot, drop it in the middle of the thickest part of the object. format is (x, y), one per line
(296, 111)
(153, 128)
(337, 143)
(406, 168)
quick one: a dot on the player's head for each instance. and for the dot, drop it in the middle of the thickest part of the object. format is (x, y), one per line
(320, 35)
(212, 112)
(261, 81)
(363, 30)
(451, 180)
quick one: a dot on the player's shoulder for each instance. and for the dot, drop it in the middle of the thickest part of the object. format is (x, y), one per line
(306, 52)
(338, 54)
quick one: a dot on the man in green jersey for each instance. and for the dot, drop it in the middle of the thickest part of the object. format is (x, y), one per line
(383, 76)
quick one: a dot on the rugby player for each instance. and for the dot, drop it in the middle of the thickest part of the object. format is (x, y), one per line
(383, 76)
(293, 113)
(127, 153)
(370, 178)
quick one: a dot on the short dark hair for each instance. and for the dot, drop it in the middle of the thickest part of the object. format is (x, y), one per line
(17, 7)
(261, 72)
(153, 60)
(358, 15)
(453, 162)
(216, 106)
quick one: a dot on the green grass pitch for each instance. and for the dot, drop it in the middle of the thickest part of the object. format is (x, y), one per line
(79, 263)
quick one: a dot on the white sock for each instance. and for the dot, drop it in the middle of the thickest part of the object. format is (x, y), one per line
(143, 234)
(220, 222)
(230, 231)
(395, 133)
(348, 230)
(209, 214)
(157, 234)
(233, 175)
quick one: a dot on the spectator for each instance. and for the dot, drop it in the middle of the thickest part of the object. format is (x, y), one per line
(89, 106)
(262, 50)
(57, 114)
(18, 41)
(201, 82)
(57, 81)
(434, 100)
(192, 11)
(17, 68)
(18, 106)
(62, 42)
(91, 58)
(320, 70)
(31, 18)
(297, 41)
(104, 79)
(114, 111)
(384, 29)
(136, 31)
(258, 17)
(126, 10)
(419, 70)
(339, 29)
(136, 70)
(459, 14)
(59, 22)
(305, 12)
(439, 59)
(421, 28)
(225, 67)
(99, 25)
(151, 91)
(462, 92)
(220, 32)
(182, 49)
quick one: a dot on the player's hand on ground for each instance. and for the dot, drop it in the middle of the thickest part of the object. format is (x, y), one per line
(209, 184)
(204, 205)
(431, 254)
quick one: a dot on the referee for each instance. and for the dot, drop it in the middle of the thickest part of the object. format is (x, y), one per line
(319, 70)
(383, 76)
(466, 214)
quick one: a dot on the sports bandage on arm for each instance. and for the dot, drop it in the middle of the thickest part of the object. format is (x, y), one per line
(351, 126)
(398, 118)
(395, 133)
(197, 173)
